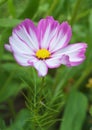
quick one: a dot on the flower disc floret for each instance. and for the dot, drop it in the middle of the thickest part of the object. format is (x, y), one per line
(42, 54)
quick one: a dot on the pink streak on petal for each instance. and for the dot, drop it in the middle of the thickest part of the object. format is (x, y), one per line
(62, 37)
(75, 52)
(41, 68)
(19, 46)
(47, 29)
(65, 60)
(27, 32)
(8, 47)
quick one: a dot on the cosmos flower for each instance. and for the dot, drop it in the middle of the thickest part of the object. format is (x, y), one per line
(45, 45)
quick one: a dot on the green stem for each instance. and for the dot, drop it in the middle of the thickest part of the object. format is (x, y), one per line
(35, 94)
(39, 91)
(36, 100)
(75, 11)
(33, 99)
(11, 8)
(12, 108)
(83, 14)
(43, 82)
(53, 5)
(82, 78)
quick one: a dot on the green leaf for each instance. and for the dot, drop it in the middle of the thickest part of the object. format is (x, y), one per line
(20, 121)
(29, 76)
(11, 8)
(3, 1)
(75, 111)
(1, 47)
(30, 9)
(2, 124)
(58, 9)
(9, 85)
(7, 22)
(10, 90)
(90, 22)
(52, 7)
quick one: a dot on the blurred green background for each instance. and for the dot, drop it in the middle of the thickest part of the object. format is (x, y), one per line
(72, 87)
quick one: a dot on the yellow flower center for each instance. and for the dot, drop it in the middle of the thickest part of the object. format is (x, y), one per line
(42, 54)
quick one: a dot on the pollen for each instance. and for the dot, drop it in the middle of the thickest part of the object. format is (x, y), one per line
(43, 54)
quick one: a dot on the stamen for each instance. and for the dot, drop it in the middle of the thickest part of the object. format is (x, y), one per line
(42, 54)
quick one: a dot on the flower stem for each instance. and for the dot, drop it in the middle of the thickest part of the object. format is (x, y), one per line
(82, 78)
(11, 8)
(11, 107)
(37, 94)
(53, 5)
(75, 11)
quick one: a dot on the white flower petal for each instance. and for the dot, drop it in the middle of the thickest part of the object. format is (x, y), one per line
(75, 52)
(19, 46)
(26, 31)
(22, 59)
(53, 62)
(47, 28)
(62, 37)
(41, 68)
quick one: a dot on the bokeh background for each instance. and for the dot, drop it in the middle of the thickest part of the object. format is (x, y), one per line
(75, 110)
